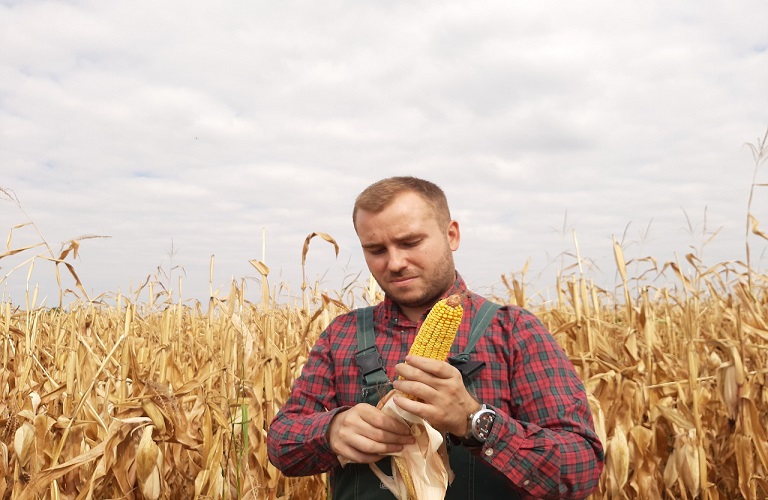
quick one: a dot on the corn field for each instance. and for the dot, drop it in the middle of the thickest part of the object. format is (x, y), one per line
(172, 400)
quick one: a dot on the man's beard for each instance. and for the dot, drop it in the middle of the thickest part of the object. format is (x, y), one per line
(436, 285)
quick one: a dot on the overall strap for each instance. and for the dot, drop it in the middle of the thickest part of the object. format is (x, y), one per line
(483, 318)
(367, 355)
(357, 481)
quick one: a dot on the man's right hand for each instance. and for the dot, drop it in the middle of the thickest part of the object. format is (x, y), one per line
(364, 434)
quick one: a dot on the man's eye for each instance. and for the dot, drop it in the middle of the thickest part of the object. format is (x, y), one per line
(376, 251)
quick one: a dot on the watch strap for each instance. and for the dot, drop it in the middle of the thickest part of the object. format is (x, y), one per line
(470, 440)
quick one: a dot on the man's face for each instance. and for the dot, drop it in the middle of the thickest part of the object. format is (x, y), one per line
(408, 251)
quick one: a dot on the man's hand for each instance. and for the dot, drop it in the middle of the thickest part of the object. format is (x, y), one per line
(364, 434)
(444, 401)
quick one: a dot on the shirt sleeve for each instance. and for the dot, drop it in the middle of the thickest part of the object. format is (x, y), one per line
(545, 444)
(296, 442)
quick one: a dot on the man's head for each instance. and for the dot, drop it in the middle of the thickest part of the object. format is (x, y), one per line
(408, 239)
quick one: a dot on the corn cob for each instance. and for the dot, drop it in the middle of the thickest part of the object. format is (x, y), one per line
(406, 477)
(436, 334)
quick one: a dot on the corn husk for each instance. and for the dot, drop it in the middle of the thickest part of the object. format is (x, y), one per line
(420, 470)
(149, 460)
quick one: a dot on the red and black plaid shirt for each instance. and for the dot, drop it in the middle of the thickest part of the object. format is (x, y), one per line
(543, 439)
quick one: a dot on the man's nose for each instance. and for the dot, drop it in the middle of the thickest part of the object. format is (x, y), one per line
(397, 261)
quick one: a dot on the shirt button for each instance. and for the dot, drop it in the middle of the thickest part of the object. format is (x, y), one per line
(489, 452)
(526, 482)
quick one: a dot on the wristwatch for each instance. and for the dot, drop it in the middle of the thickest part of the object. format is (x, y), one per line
(479, 426)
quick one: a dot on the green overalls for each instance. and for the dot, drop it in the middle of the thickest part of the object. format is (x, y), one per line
(473, 478)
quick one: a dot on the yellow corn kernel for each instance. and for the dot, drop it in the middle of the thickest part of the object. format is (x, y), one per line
(436, 334)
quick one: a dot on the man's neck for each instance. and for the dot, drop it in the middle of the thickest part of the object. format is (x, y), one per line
(414, 313)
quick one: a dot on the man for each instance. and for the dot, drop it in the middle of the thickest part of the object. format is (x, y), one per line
(519, 428)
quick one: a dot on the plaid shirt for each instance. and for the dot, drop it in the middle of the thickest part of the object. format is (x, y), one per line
(542, 440)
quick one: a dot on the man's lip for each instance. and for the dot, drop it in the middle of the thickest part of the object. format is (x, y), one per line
(402, 281)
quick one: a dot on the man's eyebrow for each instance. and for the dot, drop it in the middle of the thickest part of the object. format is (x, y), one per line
(409, 236)
(371, 245)
(399, 239)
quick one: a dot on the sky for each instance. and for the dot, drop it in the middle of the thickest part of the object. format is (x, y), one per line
(193, 132)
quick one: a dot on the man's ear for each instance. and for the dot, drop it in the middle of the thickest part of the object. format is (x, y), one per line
(454, 235)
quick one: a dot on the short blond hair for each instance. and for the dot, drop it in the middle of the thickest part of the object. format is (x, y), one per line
(380, 194)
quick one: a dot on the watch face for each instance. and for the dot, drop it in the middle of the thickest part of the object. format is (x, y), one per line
(483, 422)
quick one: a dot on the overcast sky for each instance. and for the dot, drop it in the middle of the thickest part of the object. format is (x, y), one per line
(197, 127)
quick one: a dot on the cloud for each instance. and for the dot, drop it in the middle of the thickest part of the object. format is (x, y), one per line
(205, 126)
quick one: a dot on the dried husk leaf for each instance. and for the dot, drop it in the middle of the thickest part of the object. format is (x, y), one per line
(670, 470)
(424, 461)
(729, 389)
(32, 402)
(209, 480)
(644, 461)
(745, 463)
(153, 412)
(598, 416)
(688, 463)
(148, 463)
(754, 427)
(738, 366)
(5, 470)
(617, 461)
(42, 424)
(24, 443)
